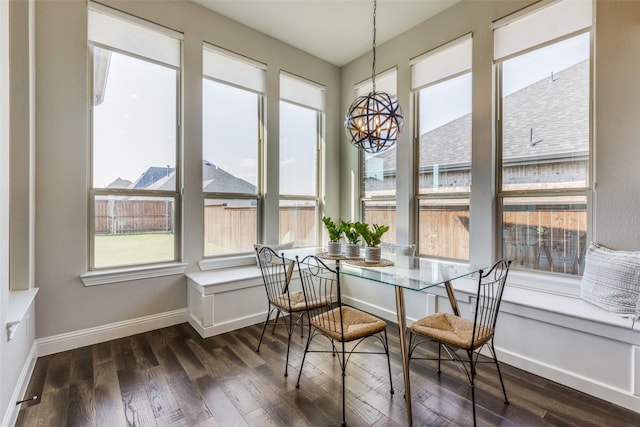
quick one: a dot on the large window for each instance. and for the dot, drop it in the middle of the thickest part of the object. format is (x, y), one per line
(134, 194)
(301, 123)
(232, 121)
(544, 186)
(378, 185)
(441, 84)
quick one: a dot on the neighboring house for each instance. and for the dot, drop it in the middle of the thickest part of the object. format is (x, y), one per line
(120, 183)
(538, 153)
(539, 135)
(153, 175)
(163, 178)
(218, 180)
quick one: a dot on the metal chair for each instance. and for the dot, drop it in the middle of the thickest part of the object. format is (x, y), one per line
(276, 274)
(339, 323)
(461, 338)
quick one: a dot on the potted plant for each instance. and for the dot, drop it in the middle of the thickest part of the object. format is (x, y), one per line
(352, 234)
(372, 236)
(334, 248)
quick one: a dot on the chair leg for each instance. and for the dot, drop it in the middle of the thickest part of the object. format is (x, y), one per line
(266, 322)
(386, 350)
(439, 355)
(473, 402)
(343, 364)
(495, 360)
(275, 323)
(290, 327)
(472, 375)
(304, 356)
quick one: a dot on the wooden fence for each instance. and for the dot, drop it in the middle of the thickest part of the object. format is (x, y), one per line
(233, 229)
(229, 229)
(551, 240)
(134, 216)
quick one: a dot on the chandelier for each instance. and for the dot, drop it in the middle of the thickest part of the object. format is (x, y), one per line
(374, 121)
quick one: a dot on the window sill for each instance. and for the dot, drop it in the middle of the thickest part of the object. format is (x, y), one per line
(94, 278)
(227, 262)
(545, 283)
(18, 305)
(554, 299)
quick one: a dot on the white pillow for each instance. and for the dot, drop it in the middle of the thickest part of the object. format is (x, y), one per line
(393, 248)
(611, 280)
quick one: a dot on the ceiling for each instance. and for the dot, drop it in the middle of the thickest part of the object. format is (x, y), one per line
(337, 31)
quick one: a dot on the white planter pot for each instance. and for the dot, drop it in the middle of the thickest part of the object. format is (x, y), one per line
(372, 253)
(334, 248)
(352, 250)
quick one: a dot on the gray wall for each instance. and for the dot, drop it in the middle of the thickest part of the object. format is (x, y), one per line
(64, 304)
(617, 128)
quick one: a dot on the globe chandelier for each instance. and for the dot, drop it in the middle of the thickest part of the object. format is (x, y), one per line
(374, 121)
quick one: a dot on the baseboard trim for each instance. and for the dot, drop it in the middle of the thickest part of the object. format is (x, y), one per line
(221, 328)
(586, 385)
(11, 413)
(90, 336)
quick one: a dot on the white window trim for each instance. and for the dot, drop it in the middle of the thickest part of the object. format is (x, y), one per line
(105, 277)
(112, 275)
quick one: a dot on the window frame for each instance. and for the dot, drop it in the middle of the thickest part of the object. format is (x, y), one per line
(502, 194)
(93, 193)
(258, 196)
(450, 51)
(386, 81)
(319, 140)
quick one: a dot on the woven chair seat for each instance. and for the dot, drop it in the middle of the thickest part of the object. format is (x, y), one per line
(356, 323)
(296, 299)
(451, 329)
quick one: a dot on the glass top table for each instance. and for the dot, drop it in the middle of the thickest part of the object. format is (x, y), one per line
(402, 272)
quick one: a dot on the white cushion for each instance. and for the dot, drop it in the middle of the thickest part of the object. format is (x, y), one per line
(407, 250)
(611, 280)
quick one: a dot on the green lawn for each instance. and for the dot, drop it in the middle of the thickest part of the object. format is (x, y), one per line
(125, 249)
(128, 249)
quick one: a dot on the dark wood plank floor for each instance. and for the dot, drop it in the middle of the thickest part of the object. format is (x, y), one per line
(173, 377)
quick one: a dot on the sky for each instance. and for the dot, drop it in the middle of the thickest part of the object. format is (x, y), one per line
(135, 128)
(518, 72)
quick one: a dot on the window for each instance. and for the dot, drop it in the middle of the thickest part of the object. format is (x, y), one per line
(232, 110)
(544, 186)
(441, 84)
(134, 194)
(378, 186)
(301, 123)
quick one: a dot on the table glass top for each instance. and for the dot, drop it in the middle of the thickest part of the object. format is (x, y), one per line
(410, 273)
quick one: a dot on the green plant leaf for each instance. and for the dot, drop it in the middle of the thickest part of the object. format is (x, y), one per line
(334, 229)
(351, 232)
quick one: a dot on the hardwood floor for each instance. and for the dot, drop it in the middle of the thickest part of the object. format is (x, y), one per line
(173, 377)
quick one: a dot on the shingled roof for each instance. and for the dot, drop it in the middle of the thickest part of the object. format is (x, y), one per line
(553, 127)
(217, 179)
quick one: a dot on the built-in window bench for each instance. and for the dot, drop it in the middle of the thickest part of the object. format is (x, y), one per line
(559, 337)
(572, 342)
(223, 300)
(20, 303)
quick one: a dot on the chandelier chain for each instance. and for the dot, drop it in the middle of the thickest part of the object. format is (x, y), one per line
(373, 66)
